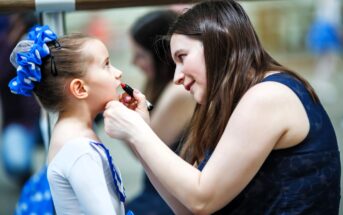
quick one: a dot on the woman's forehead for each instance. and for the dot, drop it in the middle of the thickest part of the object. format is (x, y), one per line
(178, 41)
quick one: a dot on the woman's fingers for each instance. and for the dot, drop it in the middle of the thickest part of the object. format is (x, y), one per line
(138, 101)
(128, 101)
(141, 100)
(116, 123)
(141, 108)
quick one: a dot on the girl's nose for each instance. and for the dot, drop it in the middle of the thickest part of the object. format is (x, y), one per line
(117, 73)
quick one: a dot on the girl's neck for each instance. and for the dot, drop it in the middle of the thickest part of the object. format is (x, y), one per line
(78, 123)
(71, 125)
(75, 117)
(81, 113)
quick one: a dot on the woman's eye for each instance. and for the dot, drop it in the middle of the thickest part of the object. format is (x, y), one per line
(181, 57)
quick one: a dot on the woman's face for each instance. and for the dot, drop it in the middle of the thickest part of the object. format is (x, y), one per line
(188, 55)
(102, 78)
(143, 60)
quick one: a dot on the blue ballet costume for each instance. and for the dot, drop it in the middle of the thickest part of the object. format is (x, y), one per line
(304, 179)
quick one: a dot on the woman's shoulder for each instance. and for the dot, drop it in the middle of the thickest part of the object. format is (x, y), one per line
(270, 100)
(273, 103)
(269, 92)
(276, 88)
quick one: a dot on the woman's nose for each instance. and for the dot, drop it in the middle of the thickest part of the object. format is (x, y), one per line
(178, 77)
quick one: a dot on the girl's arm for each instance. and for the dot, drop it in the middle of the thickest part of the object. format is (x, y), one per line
(87, 179)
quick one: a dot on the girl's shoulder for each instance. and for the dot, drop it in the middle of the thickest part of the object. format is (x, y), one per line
(69, 149)
(75, 153)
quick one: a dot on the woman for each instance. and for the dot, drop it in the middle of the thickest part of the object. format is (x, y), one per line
(260, 141)
(173, 106)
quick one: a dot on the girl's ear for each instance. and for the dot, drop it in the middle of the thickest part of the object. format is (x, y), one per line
(78, 88)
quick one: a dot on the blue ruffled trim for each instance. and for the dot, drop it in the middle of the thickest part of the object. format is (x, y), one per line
(28, 71)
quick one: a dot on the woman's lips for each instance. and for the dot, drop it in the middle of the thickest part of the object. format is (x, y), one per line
(188, 86)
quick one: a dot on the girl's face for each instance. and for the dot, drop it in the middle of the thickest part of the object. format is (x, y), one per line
(143, 60)
(188, 55)
(101, 78)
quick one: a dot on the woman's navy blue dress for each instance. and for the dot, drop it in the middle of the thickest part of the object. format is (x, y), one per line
(304, 179)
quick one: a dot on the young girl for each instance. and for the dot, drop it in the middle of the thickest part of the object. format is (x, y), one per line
(72, 76)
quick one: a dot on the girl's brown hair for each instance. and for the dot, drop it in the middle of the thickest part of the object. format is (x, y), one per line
(66, 60)
(235, 61)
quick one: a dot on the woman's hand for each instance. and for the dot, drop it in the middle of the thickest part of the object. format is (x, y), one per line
(136, 103)
(127, 118)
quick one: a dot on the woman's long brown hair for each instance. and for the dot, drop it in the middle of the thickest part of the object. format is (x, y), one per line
(235, 61)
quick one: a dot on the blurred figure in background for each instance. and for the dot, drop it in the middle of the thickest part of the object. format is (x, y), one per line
(325, 41)
(173, 105)
(99, 27)
(179, 8)
(20, 114)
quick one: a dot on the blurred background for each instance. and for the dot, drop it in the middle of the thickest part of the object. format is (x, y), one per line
(285, 27)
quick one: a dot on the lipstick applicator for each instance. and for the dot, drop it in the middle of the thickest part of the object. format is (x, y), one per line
(129, 91)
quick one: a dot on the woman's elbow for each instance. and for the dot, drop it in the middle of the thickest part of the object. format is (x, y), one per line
(199, 210)
(201, 206)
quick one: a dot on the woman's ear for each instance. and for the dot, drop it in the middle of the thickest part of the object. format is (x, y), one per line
(78, 88)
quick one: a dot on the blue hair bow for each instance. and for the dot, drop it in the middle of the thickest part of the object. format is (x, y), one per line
(29, 62)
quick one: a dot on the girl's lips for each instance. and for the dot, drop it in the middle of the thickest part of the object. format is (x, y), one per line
(188, 86)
